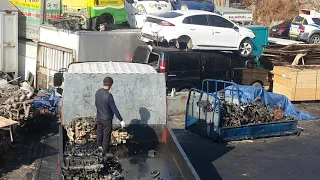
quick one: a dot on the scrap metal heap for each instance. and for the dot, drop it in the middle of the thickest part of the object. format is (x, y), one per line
(82, 130)
(82, 158)
(235, 115)
(15, 101)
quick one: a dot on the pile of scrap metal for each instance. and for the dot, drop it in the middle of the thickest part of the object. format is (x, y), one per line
(16, 103)
(83, 130)
(20, 102)
(82, 158)
(235, 115)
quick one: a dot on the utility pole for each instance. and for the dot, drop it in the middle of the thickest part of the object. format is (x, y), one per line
(43, 14)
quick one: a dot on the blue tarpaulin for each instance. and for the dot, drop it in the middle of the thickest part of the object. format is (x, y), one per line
(249, 93)
(49, 102)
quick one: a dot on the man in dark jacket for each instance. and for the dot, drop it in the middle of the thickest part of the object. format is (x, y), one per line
(106, 109)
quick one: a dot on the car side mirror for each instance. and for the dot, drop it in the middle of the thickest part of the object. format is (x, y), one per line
(235, 27)
(57, 79)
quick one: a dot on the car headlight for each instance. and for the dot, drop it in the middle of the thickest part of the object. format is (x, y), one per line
(141, 9)
(184, 7)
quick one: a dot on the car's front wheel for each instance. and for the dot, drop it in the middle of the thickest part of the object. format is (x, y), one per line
(245, 48)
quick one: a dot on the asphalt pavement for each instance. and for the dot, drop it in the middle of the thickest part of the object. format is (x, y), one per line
(283, 158)
(33, 155)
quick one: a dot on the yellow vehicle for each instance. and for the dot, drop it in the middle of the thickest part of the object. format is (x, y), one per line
(91, 13)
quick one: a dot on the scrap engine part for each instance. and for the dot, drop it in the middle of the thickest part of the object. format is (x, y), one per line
(83, 131)
(85, 162)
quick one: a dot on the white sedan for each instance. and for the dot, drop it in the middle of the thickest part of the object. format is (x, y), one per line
(200, 30)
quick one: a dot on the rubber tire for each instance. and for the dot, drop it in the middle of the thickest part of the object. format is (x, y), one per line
(184, 45)
(176, 44)
(257, 84)
(189, 44)
(315, 35)
(184, 90)
(243, 41)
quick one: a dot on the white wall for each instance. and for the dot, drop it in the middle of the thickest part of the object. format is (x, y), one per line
(27, 58)
(63, 38)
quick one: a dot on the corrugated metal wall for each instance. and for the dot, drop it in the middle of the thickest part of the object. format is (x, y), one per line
(51, 59)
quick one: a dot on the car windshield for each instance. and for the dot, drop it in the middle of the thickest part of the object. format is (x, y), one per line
(170, 15)
(316, 20)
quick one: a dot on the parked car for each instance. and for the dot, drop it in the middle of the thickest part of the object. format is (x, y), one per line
(281, 30)
(186, 70)
(306, 28)
(205, 5)
(200, 30)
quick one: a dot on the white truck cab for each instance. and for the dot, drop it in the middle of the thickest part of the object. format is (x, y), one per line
(137, 10)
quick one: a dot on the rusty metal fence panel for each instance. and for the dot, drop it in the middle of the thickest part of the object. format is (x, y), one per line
(51, 59)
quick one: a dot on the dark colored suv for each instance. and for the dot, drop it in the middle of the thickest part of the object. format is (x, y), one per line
(185, 70)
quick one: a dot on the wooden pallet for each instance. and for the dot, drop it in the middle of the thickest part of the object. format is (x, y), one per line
(285, 54)
(298, 83)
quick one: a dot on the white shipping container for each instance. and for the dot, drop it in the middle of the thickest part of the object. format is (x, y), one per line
(8, 38)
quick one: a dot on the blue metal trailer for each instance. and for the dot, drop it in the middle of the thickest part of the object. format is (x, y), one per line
(204, 116)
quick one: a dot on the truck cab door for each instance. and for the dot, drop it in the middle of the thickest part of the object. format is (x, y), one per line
(183, 71)
(237, 67)
(215, 66)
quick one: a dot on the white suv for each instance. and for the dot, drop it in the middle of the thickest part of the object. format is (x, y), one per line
(306, 28)
(201, 30)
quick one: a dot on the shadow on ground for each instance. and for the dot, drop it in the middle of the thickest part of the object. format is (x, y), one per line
(203, 153)
(24, 158)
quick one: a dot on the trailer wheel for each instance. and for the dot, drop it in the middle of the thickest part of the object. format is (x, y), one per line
(257, 84)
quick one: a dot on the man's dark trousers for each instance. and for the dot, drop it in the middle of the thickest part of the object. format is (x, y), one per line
(104, 129)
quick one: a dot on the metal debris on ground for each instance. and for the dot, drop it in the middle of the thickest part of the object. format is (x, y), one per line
(152, 153)
(235, 115)
(119, 136)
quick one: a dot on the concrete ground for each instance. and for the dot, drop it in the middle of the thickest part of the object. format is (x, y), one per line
(288, 157)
